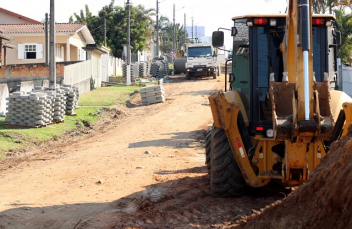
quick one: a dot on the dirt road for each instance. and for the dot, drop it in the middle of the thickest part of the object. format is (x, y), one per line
(109, 180)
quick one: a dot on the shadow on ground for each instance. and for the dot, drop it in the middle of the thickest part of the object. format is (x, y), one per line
(178, 140)
(181, 200)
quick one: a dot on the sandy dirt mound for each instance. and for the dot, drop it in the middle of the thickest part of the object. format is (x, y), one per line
(323, 202)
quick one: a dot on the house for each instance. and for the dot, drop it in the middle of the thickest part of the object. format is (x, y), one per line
(30, 40)
(8, 17)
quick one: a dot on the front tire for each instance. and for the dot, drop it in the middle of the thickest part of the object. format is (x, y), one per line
(188, 77)
(214, 75)
(208, 148)
(226, 178)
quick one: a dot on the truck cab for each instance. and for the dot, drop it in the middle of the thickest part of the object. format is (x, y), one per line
(202, 61)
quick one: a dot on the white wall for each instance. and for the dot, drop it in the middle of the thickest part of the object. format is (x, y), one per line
(347, 80)
(115, 66)
(4, 93)
(77, 73)
(96, 69)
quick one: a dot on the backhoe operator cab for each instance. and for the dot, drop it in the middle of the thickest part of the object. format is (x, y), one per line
(257, 55)
(282, 111)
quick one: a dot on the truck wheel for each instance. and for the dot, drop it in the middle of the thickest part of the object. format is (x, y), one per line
(226, 178)
(214, 75)
(218, 71)
(188, 77)
(208, 148)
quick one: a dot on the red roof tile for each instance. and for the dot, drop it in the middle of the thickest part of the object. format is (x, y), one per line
(40, 28)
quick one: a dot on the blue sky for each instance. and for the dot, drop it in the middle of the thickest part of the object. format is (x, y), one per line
(209, 13)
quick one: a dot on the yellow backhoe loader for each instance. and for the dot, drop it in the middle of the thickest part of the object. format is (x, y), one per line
(282, 111)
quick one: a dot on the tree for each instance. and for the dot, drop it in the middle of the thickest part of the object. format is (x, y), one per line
(344, 25)
(322, 6)
(116, 26)
(166, 34)
(326, 6)
(82, 18)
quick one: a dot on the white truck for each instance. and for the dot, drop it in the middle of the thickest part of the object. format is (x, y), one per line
(202, 61)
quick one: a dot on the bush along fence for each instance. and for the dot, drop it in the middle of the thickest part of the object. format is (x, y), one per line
(40, 107)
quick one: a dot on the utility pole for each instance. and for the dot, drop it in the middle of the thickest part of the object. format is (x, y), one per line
(157, 28)
(128, 80)
(105, 32)
(192, 29)
(196, 34)
(46, 39)
(174, 33)
(185, 29)
(52, 45)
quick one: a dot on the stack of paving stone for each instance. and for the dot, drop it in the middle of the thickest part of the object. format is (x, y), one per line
(29, 109)
(135, 70)
(168, 57)
(59, 105)
(165, 67)
(148, 67)
(156, 69)
(49, 105)
(143, 68)
(124, 70)
(76, 90)
(70, 98)
(153, 94)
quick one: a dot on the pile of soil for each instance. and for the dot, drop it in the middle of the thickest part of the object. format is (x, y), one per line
(325, 201)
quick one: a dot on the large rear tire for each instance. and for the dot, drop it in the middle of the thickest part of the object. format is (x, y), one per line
(208, 148)
(225, 176)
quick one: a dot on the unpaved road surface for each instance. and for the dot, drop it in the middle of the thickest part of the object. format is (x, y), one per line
(107, 180)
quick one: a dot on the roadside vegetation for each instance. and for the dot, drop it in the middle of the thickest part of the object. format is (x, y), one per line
(143, 28)
(90, 104)
(343, 23)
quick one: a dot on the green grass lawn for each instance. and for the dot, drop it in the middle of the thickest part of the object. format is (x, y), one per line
(90, 103)
(107, 96)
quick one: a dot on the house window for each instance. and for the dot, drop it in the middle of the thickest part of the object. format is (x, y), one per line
(30, 52)
(58, 51)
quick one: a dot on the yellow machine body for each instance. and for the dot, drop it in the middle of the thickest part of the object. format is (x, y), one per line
(303, 139)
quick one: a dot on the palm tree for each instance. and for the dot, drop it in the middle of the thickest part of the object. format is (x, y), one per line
(344, 24)
(82, 18)
(324, 6)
